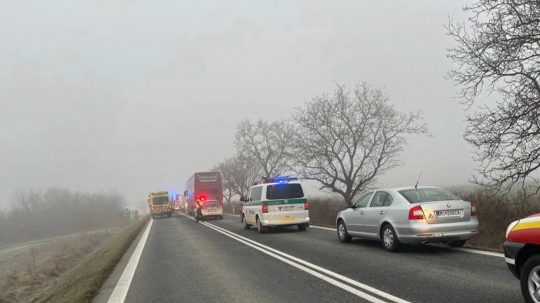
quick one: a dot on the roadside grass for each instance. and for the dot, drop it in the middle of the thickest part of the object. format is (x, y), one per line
(495, 212)
(81, 282)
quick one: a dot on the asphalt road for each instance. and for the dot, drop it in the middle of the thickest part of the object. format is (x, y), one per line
(184, 261)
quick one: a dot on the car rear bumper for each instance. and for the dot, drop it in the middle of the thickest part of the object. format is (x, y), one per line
(285, 219)
(445, 232)
(511, 250)
(212, 213)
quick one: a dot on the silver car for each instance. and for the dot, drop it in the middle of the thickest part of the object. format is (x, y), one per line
(408, 215)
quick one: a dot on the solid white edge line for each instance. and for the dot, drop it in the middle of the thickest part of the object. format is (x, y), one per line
(466, 250)
(322, 227)
(122, 285)
(316, 267)
(191, 218)
(327, 279)
(479, 252)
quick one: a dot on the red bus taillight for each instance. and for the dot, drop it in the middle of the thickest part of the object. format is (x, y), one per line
(202, 198)
(264, 208)
(416, 213)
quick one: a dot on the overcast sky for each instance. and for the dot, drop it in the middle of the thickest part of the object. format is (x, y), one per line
(137, 95)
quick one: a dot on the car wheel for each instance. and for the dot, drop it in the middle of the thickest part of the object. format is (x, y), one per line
(260, 228)
(530, 280)
(342, 233)
(302, 227)
(457, 243)
(389, 238)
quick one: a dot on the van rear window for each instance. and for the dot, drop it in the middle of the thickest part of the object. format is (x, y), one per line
(284, 191)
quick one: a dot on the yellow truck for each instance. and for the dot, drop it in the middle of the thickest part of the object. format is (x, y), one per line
(159, 204)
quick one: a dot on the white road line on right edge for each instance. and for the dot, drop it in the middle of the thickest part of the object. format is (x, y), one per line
(315, 270)
(322, 227)
(465, 250)
(480, 252)
(122, 285)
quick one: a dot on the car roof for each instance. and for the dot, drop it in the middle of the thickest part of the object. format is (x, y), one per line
(402, 188)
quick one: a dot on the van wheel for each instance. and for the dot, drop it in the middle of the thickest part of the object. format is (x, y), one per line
(260, 228)
(246, 225)
(389, 238)
(530, 280)
(302, 227)
(342, 233)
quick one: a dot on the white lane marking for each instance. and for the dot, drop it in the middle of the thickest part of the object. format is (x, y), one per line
(308, 264)
(466, 250)
(322, 227)
(189, 217)
(479, 252)
(334, 282)
(122, 285)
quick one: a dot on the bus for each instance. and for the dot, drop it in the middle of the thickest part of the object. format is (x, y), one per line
(207, 188)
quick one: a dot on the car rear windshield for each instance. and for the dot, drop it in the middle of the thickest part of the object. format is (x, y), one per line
(284, 191)
(422, 195)
(160, 200)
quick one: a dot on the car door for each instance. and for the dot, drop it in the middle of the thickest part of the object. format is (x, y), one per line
(374, 214)
(355, 218)
(253, 204)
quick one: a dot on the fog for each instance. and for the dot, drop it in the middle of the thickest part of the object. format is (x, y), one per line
(135, 96)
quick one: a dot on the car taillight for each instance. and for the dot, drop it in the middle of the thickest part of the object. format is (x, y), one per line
(306, 205)
(473, 210)
(416, 213)
(264, 208)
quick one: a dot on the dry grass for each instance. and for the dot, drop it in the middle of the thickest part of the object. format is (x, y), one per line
(81, 283)
(495, 212)
(66, 270)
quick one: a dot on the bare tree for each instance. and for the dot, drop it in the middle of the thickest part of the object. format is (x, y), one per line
(228, 185)
(268, 143)
(346, 140)
(498, 50)
(239, 174)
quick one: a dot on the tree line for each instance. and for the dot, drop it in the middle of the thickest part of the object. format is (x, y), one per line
(346, 139)
(56, 211)
(343, 140)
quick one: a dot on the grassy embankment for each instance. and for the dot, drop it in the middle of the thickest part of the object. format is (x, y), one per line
(67, 270)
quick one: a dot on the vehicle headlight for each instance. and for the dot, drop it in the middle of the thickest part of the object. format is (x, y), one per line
(510, 227)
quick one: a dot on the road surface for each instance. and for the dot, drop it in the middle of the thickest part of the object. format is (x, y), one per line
(219, 261)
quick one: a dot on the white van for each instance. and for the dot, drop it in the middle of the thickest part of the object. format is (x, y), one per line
(278, 201)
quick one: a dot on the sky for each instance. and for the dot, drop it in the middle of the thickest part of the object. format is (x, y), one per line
(134, 96)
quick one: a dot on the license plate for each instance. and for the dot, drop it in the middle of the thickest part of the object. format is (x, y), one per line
(285, 208)
(450, 213)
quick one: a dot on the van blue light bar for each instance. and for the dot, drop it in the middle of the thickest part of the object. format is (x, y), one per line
(280, 179)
